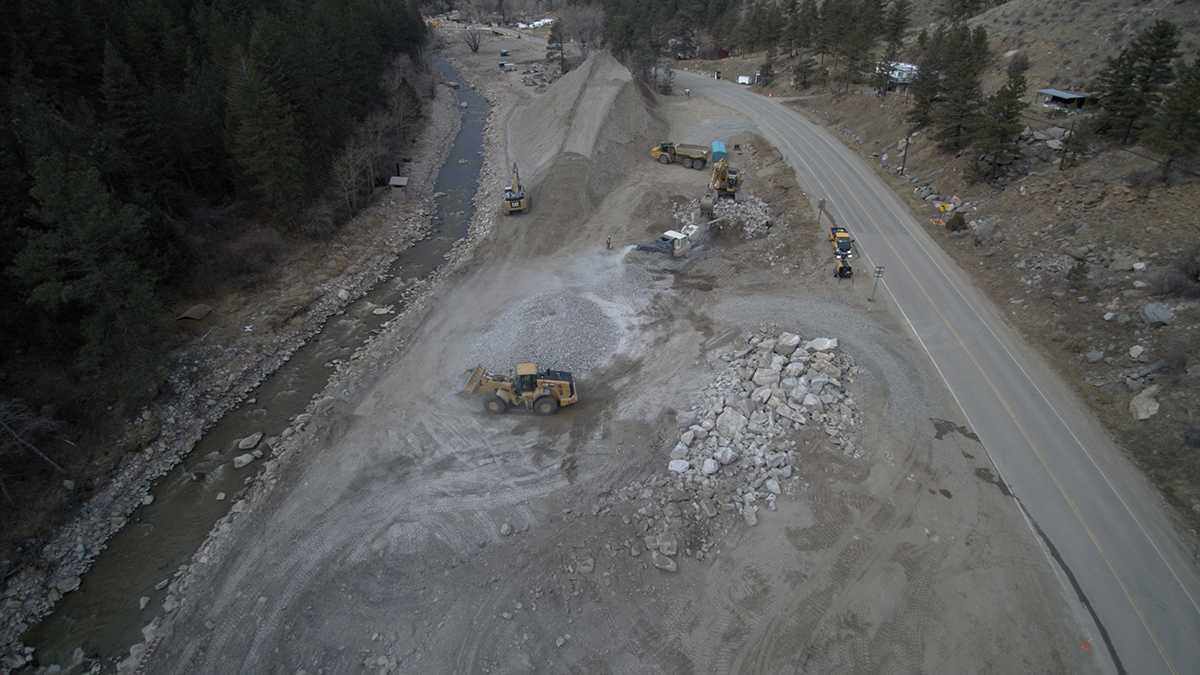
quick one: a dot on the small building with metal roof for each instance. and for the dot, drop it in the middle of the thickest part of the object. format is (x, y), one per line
(1062, 98)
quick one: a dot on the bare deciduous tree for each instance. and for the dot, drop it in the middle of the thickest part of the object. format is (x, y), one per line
(375, 131)
(584, 24)
(19, 429)
(347, 171)
(472, 38)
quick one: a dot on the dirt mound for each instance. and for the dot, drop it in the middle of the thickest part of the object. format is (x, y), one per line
(599, 111)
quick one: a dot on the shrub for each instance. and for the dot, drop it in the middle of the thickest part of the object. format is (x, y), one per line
(319, 221)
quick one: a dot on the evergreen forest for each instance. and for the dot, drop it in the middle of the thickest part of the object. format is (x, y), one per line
(140, 137)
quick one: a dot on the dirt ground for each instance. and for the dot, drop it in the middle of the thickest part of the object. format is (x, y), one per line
(406, 530)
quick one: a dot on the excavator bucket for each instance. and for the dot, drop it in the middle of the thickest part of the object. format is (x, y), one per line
(475, 380)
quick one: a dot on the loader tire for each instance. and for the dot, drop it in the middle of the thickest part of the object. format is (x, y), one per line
(664, 159)
(687, 162)
(546, 405)
(495, 405)
(698, 164)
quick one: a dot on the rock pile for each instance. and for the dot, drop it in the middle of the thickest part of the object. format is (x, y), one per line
(749, 216)
(737, 450)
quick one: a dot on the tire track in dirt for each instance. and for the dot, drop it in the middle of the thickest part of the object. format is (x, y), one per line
(849, 558)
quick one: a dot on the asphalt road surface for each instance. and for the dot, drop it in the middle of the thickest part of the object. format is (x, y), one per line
(1106, 531)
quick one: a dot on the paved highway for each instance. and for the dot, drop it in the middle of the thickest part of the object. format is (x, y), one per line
(1107, 533)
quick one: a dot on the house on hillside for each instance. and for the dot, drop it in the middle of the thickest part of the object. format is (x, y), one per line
(1059, 98)
(900, 76)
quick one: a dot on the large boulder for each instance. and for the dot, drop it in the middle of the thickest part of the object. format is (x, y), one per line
(730, 423)
(1145, 405)
(1158, 314)
(765, 376)
(787, 344)
(821, 344)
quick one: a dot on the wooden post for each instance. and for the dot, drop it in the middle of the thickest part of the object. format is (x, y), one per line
(1063, 160)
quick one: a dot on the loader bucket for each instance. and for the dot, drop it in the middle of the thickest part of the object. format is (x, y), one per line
(475, 380)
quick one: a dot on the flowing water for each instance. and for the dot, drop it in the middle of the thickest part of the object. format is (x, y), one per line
(103, 617)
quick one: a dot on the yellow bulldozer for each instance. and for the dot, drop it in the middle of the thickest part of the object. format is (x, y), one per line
(543, 392)
(514, 194)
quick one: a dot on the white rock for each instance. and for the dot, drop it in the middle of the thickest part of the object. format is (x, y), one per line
(687, 437)
(1145, 405)
(711, 466)
(787, 343)
(242, 460)
(772, 486)
(679, 465)
(765, 376)
(250, 442)
(663, 562)
(725, 455)
(1135, 351)
(821, 344)
(220, 496)
(143, 601)
(730, 423)
(680, 451)
(505, 530)
(750, 515)
(343, 294)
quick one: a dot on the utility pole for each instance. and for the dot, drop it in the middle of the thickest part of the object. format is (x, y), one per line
(878, 276)
(907, 142)
(820, 209)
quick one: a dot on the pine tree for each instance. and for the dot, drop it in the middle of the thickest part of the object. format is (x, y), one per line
(959, 113)
(998, 127)
(882, 78)
(766, 72)
(805, 24)
(1174, 132)
(895, 22)
(805, 68)
(1130, 84)
(555, 48)
(263, 138)
(87, 259)
(926, 86)
(134, 124)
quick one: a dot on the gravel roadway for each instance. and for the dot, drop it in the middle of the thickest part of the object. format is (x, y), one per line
(1113, 539)
(406, 530)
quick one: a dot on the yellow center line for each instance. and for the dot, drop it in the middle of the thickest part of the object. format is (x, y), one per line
(1061, 488)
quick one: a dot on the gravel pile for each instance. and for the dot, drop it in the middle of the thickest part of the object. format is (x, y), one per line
(738, 449)
(563, 331)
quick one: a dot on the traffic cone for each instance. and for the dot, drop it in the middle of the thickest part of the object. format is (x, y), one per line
(1087, 645)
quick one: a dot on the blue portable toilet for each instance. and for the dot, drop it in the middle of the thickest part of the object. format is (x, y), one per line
(718, 151)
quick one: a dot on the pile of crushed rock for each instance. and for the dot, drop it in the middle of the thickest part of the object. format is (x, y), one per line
(749, 216)
(737, 450)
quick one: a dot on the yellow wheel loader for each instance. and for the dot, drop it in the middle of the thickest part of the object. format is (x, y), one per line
(544, 392)
(514, 194)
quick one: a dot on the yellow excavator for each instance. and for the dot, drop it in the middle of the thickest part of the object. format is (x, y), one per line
(514, 194)
(725, 179)
(543, 392)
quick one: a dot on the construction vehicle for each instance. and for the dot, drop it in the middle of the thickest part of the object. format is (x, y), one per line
(682, 241)
(514, 194)
(690, 156)
(841, 241)
(842, 268)
(725, 179)
(544, 392)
